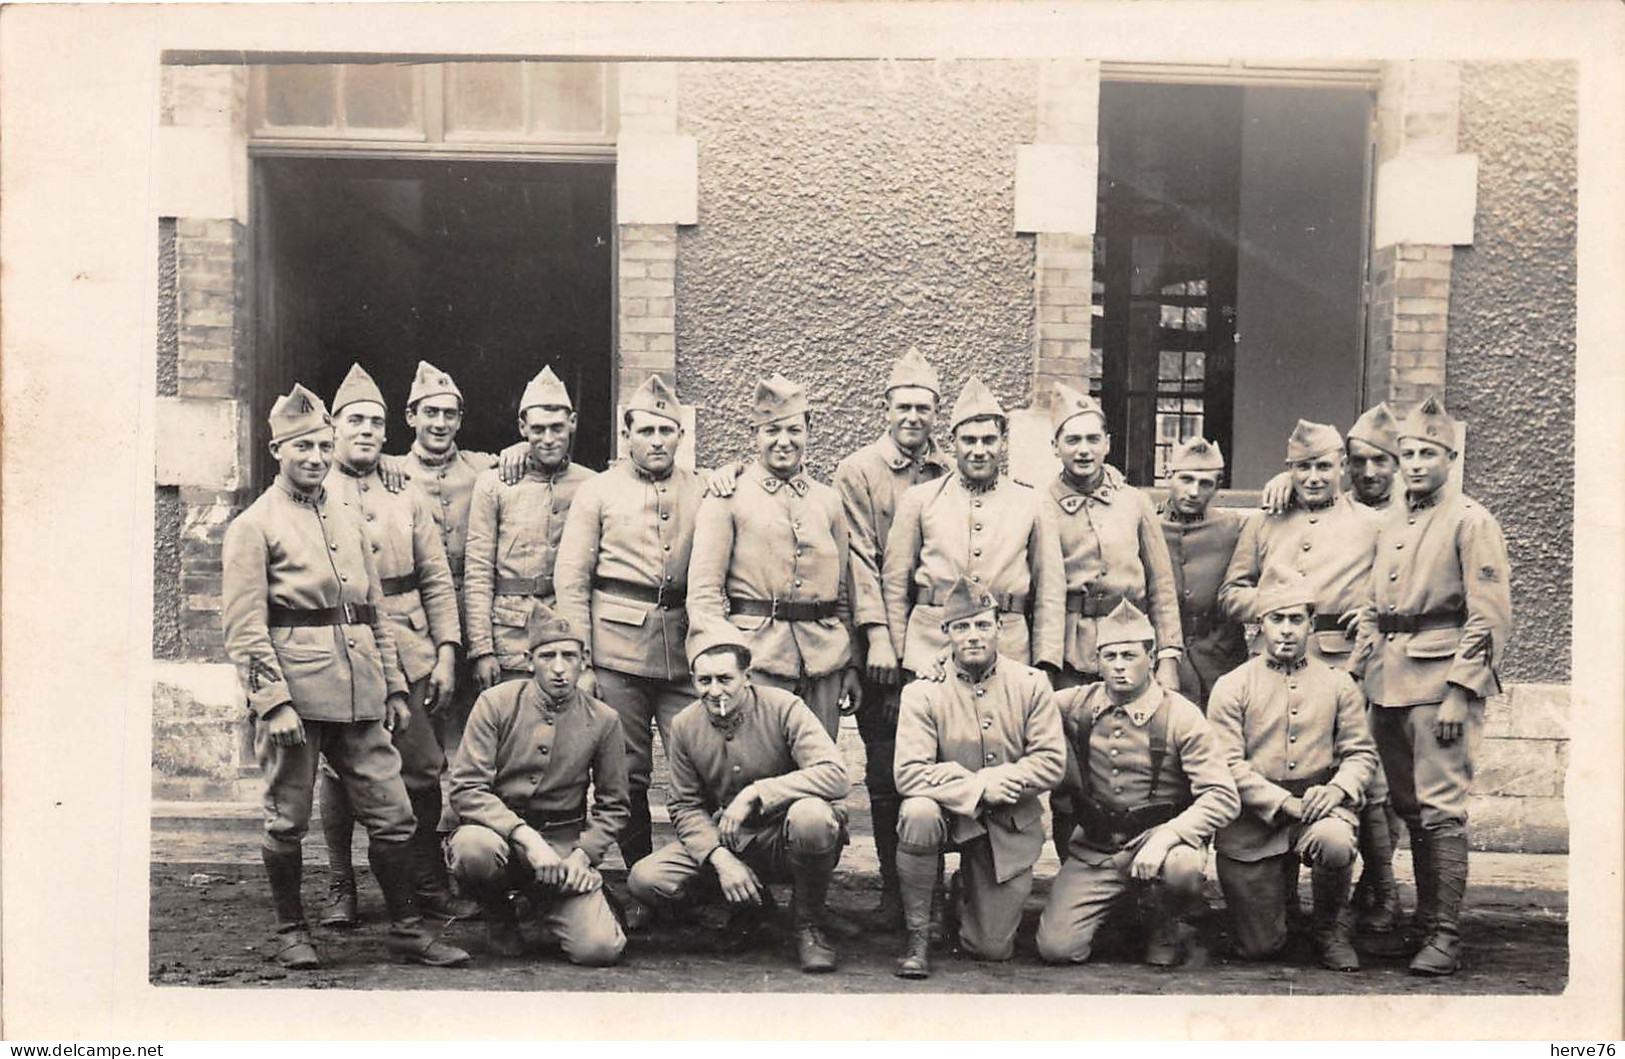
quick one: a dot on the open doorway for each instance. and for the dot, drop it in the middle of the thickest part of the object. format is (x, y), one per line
(488, 270)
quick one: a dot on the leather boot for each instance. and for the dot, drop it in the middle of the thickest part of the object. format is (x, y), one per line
(1379, 911)
(433, 887)
(1440, 953)
(745, 924)
(392, 866)
(1422, 869)
(291, 947)
(811, 875)
(1168, 933)
(502, 936)
(888, 914)
(338, 830)
(1334, 919)
(637, 841)
(918, 896)
(1296, 923)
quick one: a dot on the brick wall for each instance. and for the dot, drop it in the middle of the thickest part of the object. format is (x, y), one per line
(647, 269)
(1068, 113)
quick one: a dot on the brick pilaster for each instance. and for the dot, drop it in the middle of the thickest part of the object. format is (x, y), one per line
(647, 269)
(1069, 114)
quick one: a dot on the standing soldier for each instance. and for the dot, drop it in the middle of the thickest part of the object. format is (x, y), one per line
(513, 535)
(772, 560)
(1293, 731)
(755, 779)
(305, 627)
(976, 746)
(421, 605)
(1110, 542)
(870, 482)
(1201, 541)
(622, 579)
(1442, 612)
(979, 524)
(1148, 786)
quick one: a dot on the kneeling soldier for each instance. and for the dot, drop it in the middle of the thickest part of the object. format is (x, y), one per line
(1293, 730)
(976, 746)
(754, 779)
(519, 783)
(305, 626)
(1148, 786)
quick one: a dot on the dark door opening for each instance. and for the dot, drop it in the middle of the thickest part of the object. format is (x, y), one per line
(489, 270)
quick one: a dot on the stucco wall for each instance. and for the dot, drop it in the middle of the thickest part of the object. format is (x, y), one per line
(847, 211)
(1510, 366)
(166, 556)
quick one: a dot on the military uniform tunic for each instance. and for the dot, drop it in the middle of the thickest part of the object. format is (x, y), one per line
(446, 483)
(1004, 539)
(513, 536)
(1200, 551)
(870, 482)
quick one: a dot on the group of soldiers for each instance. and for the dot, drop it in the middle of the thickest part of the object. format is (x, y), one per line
(512, 629)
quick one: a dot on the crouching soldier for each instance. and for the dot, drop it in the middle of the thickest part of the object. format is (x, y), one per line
(519, 783)
(754, 779)
(1293, 730)
(976, 746)
(1148, 786)
(306, 629)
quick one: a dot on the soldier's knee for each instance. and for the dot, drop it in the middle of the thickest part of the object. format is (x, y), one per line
(1182, 870)
(649, 883)
(812, 825)
(920, 826)
(1332, 844)
(601, 948)
(478, 854)
(1057, 944)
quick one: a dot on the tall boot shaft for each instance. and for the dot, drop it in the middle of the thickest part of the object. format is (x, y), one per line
(1380, 915)
(917, 889)
(285, 871)
(1334, 918)
(338, 825)
(429, 864)
(1440, 953)
(812, 877)
(1422, 870)
(392, 866)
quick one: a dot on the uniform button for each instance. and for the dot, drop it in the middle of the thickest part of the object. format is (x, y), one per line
(333, 547)
(363, 487)
(375, 549)
(1390, 636)
(976, 551)
(1313, 520)
(1116, 771)
(987, 722)
(1117, 790)
(980, 692)
(728, 738)
(1117, 731)
(665, 516)
(991, 759)
(1410, 522)
(1399, 547)
(1292, 739)
(1114, 751)
(975, 503)
(350, 642)
(544, 749)
(798, 584)
(668, 547)
(1393, 577)
(371, 517)
(978, 525)
(736, 768)
(975, 577)
(344, 577)
(1291, 764)
(1307, 545)
(1294, 711)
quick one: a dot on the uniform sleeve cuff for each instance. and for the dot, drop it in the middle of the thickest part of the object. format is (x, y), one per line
(265, 701)
(1170, 652)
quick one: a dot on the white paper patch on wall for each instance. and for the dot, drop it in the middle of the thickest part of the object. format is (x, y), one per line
(197, 442)
(202, 173)
(1427, 199)
(656, 179)
(1055, 188)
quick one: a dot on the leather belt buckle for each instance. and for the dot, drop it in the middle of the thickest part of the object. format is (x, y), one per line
(350, 615)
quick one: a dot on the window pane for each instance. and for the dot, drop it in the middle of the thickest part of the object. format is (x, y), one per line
(484, 96)
(566, 97)
(299, 95)
(379, 96)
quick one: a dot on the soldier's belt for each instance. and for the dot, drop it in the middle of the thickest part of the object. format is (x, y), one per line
(1112, 829)
(399, 586)
(1296, 787)
(1092, 604)
(1426, 620)
(783, 609)
(347, 614)
(666, 597)
(524, 586)
(544, 819)
(1007, 602)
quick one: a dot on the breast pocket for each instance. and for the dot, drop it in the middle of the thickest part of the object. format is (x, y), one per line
(749, 622)
(1333, 642)
(509, 618)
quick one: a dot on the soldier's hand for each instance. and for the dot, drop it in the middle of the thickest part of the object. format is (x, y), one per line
(1452, 716)
(579, 874)
(284, 727)
(393, 473)
(1002, 790)
(442, 680)
(739, 884)
(882, 658)
(540, 855)
(511, 462)
(737, 814)
(1292, 807)
(1277, 494)
(588, 680)
(851, 692)
(1147, 864)
(1168, 673)
(487, 672)
(1318, 801)
(721, 481)
(397, 713)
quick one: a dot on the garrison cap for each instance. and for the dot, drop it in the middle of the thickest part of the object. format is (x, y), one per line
(1309, 440)
(357, 386)
(297, 413)
(545, 390)
(976, 401)
(912, 369)
(1377, 426)
(777, 398)
(656, 398)
(430, 381)
(1125, 624)
(966, 599)
(1278, 591)
(1197, 454)
(1069, 403)
(1430, 422)
(722, 634)
(545, 627)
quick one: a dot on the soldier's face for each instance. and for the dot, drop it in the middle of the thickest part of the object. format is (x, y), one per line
(359, 433)
(975, 639)
(782, 444)
(557, 667)
(1371, 471)
(1425, 465)
(1082, 444)
(1125, 668)
(652, 441)
(304, 460)
(1190, 492)
(911, 412)
(978, 448)
(720, 680)
(435, 422)
(549, 431)
(1314, 481)
(1286, 633)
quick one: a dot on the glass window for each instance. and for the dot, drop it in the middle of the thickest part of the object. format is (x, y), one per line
(566, 97)
(485, 97)
(379, 96)
(299, 96)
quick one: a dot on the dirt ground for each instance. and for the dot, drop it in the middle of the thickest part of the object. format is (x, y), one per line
(210, 922)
